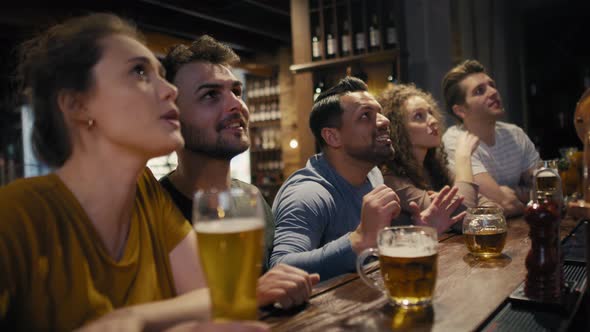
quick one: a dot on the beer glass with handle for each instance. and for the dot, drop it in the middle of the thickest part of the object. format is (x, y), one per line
(408, 263)
(485, 231)
(230, 234)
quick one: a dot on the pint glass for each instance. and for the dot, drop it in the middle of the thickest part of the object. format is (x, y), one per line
(230, 233)
(408, 263)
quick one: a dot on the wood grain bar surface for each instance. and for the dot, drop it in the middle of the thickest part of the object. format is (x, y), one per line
(468, 291)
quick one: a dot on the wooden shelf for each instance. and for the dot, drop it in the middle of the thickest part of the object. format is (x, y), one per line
(381, 56)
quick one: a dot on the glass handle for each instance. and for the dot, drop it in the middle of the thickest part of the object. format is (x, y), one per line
(360, 261)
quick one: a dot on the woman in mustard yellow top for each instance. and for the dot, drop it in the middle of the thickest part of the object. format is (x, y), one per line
(99, 233)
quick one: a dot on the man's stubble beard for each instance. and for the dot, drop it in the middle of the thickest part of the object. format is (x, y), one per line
(196, 143)
(377, 155)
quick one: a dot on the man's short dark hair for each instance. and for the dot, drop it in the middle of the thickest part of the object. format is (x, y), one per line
(205, 49)
(327, 111)
(452, 91)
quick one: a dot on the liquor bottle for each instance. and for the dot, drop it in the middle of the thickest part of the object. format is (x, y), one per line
(390, 32)
(331, 44)
(359, 41)
(345, 39)
(266, 90)
(315, 45)
(374, 34)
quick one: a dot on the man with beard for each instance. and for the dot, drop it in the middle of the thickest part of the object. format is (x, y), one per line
(214, 124)
(504, 161)
(331, 210)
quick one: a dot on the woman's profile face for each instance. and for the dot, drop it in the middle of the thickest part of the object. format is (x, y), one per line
(133, 106)
(421, 123)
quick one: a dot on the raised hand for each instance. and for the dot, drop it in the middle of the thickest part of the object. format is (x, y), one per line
(286, 285)
(466, 145)
(438, 213)
(380, 206)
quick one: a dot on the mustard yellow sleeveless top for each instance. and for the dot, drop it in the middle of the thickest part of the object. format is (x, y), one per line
(55, 272)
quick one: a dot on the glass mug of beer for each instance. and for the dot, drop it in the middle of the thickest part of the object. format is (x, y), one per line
(485, 230)
(230, 233)
(408, 264)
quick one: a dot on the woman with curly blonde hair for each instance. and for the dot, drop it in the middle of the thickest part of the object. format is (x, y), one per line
(418, 170)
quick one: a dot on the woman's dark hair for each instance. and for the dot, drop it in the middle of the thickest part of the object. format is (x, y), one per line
(61, 59)
(403, 163)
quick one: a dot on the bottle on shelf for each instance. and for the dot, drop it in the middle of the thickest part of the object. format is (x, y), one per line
(257, 141)
(345, 42)
(315, 44)
(390, 32)
(266, 92)
(374, 34)
(359, 41)
(331, 43)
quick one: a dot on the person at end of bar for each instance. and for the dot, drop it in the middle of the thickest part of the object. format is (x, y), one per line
(97, 244)
(505, 158)
(331, 210)
(418, 169)
(214, 123)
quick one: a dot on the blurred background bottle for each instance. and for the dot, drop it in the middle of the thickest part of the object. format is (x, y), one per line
(374, 34)
(315, 44)
(331, 43)
(390, 32)
(346, 43)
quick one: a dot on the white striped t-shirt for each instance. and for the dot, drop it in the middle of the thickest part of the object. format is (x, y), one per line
(505, 161)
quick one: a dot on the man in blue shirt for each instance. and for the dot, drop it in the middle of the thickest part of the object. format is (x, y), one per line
(331, 210)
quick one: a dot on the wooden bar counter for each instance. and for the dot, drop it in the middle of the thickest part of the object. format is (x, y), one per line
(467, 292)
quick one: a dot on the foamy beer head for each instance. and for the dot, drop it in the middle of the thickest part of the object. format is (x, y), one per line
(230, 235)
(547, 181)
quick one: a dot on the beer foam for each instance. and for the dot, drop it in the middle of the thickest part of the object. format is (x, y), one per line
(546, 174)
(234, 225)
(408, 252)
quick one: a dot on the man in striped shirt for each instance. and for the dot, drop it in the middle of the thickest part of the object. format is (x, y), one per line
(504, 161)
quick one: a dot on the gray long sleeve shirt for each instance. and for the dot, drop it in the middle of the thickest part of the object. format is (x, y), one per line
(315, 210)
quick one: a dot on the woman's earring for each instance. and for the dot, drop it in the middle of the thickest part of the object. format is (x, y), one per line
(90, 123)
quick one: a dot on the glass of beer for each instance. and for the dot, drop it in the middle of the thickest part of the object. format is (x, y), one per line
(230, 233)
(485, 230)
(408, 264)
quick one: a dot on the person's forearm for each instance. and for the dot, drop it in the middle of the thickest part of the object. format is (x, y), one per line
(512, 207)
(523, 192)
(334, 258)
(194, 305)
(463, 171)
